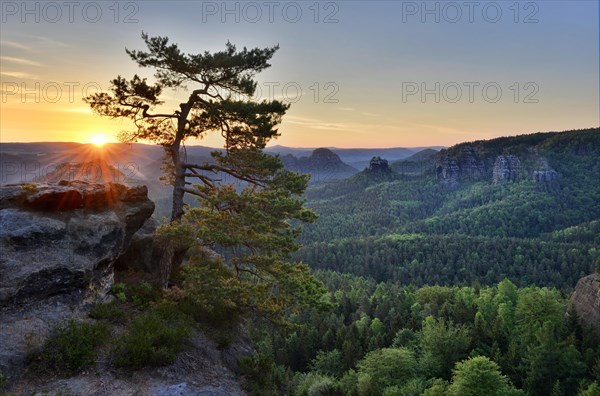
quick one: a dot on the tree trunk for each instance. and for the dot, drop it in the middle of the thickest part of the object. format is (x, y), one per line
(179, 183)
(178, 186)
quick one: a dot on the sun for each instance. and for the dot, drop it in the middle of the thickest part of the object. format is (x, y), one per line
(98, 140)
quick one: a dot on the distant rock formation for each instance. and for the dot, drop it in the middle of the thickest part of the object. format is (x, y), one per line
(585, 301)
(379, 165)
(545, 176)
(58, 244)
(466, 164)
(506, 168)
(448, 172)
(323, 165)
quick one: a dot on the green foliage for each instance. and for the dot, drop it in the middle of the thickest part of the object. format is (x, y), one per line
(222, 87)
(438, 387)
(142, 294)
(479, 376)
(592, 390)
(313, 384)
(252, 230)
(70, 347)
(212, 288)
(416, 231)
(108, 311)
(525, 332)
(118, 290)
(329, 363)
(152, 339)
(384, 368)
(443, 344)
(258, 371)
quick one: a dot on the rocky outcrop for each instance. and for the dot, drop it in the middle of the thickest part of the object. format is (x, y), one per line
(543, 172)
(142, 254)
(544, 176)
(506, 168)
(323, 165)
(464, 164)
(59, 238)
(585, 301)
(58, 243)
(379, 165)
(448, 172)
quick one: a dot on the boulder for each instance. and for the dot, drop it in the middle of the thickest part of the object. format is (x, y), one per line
(585, 301)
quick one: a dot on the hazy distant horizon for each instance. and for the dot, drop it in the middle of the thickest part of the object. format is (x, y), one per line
(275, 143)
(408, 77)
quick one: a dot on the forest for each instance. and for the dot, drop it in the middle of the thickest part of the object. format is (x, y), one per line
(388, 338)
(439, 290)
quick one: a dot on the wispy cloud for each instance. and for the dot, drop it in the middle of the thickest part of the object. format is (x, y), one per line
(312, 123)
(20, 61)
(14, 44)
(47, 41)
(346, 108)
(16, 74)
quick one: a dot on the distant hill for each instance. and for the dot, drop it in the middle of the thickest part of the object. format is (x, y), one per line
(323, 165)
(419, 164)
(422, 155)
(523, 207)
(358, 158)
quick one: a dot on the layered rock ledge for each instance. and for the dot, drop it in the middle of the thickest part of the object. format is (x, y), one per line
(58, 244)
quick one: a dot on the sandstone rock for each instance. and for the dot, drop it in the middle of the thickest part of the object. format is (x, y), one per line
(448, 172)
(506, 168)
(586, 301)
(379, 165)
(56, 239)
(544, 176)
(142, 254)
(457, 166)
(58, 243)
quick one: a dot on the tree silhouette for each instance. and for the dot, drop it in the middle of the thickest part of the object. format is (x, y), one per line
(221, 87)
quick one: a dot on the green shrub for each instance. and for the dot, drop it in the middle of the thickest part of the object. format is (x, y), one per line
(142, 294)
(151, 340)
(314, 384)
(118, 290)
(71, 347)
(107, 311)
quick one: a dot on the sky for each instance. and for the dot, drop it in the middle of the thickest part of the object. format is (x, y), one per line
(356, 73)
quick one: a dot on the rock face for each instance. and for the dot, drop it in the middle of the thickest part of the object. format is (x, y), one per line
(544, 173)
(448, 172)
(58, 244)
(142, 254)
(379, 165)
(451, 169)
(506, 168)
(586, 302)
(59, 238)
(544, 176)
